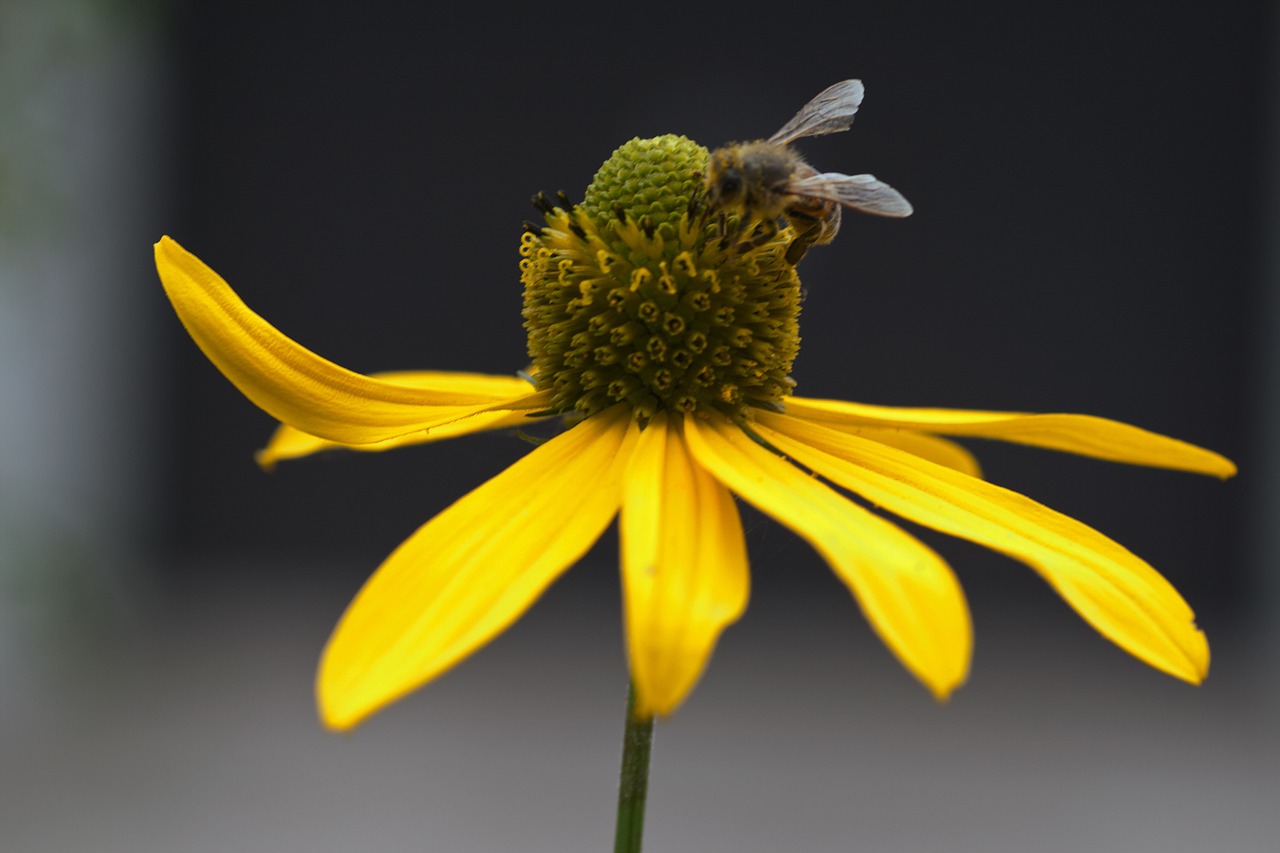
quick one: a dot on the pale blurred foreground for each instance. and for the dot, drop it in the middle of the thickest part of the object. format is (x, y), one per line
(195, 732)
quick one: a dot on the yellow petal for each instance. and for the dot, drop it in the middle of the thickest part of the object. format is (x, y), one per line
(290, 443)
(684, 566)
(934, 448)
(471, 571)
(909, 595)
(290, 382)
(1123, 597)
(1085, 435)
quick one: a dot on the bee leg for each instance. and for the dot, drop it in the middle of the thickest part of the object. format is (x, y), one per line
(810, 231)
(800, 245)
(722, 225)
(697, 208)
(764, 231)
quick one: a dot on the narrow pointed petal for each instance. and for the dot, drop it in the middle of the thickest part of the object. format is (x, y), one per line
(471, 571)
(1121, 596)
(932, 447)
(290, 382)
(290, 443)
(684, 566)
(1085, 435)
(909, 595)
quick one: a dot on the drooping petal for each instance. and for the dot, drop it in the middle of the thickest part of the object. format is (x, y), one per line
(295, 385)
(932, 447)
(909, 595)
(1085, 435)
(1123, 597)
(289, 443)
(472, 570)
(684, 566)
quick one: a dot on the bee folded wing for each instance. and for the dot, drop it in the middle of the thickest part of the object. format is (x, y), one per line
(859, 192)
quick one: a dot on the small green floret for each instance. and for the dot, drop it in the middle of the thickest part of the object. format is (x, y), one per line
(635, 295)
(648, 177)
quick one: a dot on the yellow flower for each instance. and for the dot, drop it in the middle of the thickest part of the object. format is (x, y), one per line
(666, 348)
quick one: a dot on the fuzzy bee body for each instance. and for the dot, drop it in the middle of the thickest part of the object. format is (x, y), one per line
(767, 180)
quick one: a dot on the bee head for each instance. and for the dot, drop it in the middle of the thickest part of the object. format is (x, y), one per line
(725, 184)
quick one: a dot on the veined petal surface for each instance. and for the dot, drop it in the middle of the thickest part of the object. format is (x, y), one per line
(472, 570)
(908, 593)
(1123, 597)
(290, 382)
(932, 447)
(684, 566)
(289, 443)
(1084, 435)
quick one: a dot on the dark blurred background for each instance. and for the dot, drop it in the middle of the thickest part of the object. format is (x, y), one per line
(1095, 188)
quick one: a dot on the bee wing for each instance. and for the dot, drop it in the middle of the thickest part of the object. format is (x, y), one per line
(831, 111)
(860, 192)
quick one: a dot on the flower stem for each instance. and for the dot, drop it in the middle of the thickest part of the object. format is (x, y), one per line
(637, 741)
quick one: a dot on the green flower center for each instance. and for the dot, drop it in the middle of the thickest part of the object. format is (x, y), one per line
(635, 296)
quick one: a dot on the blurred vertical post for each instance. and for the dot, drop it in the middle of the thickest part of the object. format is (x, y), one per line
(79, 88)
(1264, 529)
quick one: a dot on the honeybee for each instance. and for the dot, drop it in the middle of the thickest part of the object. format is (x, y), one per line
(766, 180)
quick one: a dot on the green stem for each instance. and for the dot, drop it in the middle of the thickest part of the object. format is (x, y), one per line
(637, 741)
